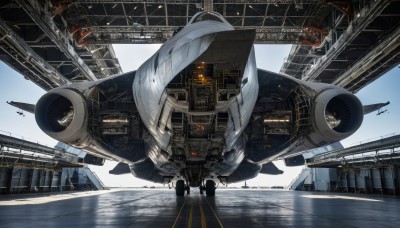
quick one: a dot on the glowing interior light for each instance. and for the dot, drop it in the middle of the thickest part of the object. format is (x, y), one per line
(115, 121)
(276, 120)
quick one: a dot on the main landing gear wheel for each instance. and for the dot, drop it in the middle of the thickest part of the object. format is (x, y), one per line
(180, 188)
(210, 188)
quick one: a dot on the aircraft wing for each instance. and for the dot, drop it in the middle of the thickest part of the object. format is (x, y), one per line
(23, 106)
(373, 107)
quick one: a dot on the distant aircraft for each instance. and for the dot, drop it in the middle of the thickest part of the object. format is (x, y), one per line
(199, 112)
(21, 113)
(380, 111)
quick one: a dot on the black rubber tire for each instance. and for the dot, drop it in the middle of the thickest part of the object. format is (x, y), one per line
(210, 188)
(180, 188)
(201, 191)
(188, 190)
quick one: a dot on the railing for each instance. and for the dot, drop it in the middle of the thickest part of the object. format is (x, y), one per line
(299, 179)
(359, 151)
(372, 139)
(22, 137)
(93, 178)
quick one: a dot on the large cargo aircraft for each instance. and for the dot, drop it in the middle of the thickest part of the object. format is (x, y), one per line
(199, 112)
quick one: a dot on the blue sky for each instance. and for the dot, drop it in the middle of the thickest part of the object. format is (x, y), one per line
(14, 87)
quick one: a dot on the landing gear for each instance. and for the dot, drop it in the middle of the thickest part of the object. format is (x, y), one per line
(210, 188)
(180, 188)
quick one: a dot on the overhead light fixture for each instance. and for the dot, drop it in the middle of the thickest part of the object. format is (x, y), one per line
(137, 25)
(251, 6)
(160, 6)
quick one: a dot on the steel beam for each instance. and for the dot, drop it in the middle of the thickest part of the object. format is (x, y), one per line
(159, 34)
(26, 55)
(46, 24)
(355, 28)
(280, 2)
(384, 48)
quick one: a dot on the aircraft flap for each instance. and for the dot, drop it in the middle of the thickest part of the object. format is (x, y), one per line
(120, 168)
(270, 168)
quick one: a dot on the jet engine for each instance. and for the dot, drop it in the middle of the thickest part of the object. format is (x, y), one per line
(335, 115)
(62, 114)
(292, 116)
(338, 113)
(99, 117)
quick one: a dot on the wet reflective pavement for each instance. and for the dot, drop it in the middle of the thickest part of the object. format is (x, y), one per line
(229, 208)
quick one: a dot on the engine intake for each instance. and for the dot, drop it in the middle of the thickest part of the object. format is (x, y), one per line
(62, 114)
(338, 114)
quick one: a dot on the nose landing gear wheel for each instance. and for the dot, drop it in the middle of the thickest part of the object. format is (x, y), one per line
(180, 188)
(210, 188)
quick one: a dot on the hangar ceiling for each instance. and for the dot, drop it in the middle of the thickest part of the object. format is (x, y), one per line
(55, 42)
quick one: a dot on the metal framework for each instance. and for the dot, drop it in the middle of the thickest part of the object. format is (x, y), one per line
(358, 49)
(348, 43)
(383, 152)
(22, 153)
(31, 167)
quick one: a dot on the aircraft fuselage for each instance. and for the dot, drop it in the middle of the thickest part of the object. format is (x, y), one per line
(196, 95)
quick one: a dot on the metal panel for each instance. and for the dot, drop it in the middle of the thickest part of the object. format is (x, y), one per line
(376, 178)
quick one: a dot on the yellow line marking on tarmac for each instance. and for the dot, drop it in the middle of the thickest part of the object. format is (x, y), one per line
(215, 214)
(179, 214)
(203, 218)
(191, 214)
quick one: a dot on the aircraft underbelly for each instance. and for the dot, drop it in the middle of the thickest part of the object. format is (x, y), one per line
(198, 115)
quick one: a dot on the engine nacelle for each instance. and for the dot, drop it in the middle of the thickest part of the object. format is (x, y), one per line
(99, 117)
(335, 115)
(338, 114)
(62, 114)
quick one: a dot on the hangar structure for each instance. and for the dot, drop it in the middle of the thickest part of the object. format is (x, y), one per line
(27, 167)
(57, 42)
(371, 167)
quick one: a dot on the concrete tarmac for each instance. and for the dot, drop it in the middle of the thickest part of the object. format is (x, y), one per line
(229, 208)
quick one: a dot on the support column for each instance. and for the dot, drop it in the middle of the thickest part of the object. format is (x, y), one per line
(394, 179)
(382, 176)
(371, 182)
(51, 175)
(9, 181)
(30, 173)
